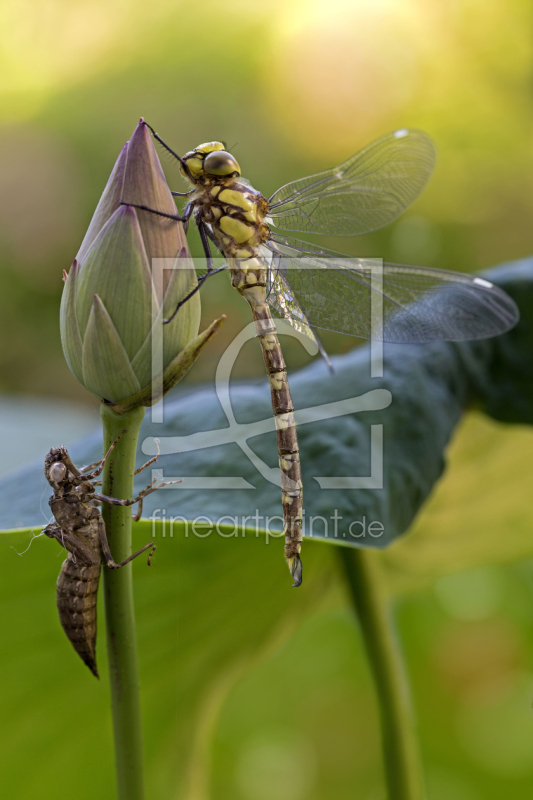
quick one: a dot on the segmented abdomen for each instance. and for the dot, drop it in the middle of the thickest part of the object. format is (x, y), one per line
(77, 588)
(249, 277)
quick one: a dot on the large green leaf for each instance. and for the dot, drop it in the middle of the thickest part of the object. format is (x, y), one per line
(212, 607)
(206, 612)
(480, 512)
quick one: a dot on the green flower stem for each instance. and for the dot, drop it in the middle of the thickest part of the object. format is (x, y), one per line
(400, 747)
(118, 596)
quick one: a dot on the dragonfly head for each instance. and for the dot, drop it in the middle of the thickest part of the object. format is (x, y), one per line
(210, 160)
(54, 468)
(59, 469)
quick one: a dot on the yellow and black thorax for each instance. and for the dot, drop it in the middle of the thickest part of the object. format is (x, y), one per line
(232, 211)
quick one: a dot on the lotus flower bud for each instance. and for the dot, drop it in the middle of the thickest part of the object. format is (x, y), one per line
(113, 307)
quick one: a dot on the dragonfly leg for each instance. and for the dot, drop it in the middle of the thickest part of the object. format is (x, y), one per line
(106, 550)
(184, 166)
(136, 517)
(210, 271)
(101, 464)
(183, 218)
(201, 281)
(117, 501)
(205, 244)
(83, 470)
(152, 461)
(151, 488)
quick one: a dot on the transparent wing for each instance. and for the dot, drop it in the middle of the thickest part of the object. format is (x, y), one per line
(365, 193)
(389, 302)
(288, 308)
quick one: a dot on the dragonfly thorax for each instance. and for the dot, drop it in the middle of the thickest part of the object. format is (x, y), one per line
(234, 214)
(231, 210)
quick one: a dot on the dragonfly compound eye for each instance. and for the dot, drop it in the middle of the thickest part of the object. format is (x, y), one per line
(57, 472)
(220, 162)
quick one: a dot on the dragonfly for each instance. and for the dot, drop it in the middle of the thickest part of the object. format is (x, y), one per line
(312, 287)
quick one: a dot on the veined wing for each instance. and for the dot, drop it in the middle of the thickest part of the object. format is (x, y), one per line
(388, 302)
(287, 307)
(365, 193)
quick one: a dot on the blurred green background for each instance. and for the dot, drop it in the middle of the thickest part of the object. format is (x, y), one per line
(292, 87)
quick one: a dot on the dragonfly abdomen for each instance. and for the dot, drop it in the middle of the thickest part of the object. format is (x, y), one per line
(77, 588)
(249, 277)
(234, 214)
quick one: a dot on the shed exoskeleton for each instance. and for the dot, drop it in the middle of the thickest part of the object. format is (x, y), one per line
(80, 529)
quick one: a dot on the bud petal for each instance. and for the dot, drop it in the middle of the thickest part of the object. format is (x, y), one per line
(107, 371)
(70, 331)
(177, 332)
(115, 298)
(171, 375)
(145, 184)
(116, 268)
(184, 361)
(109, 202)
